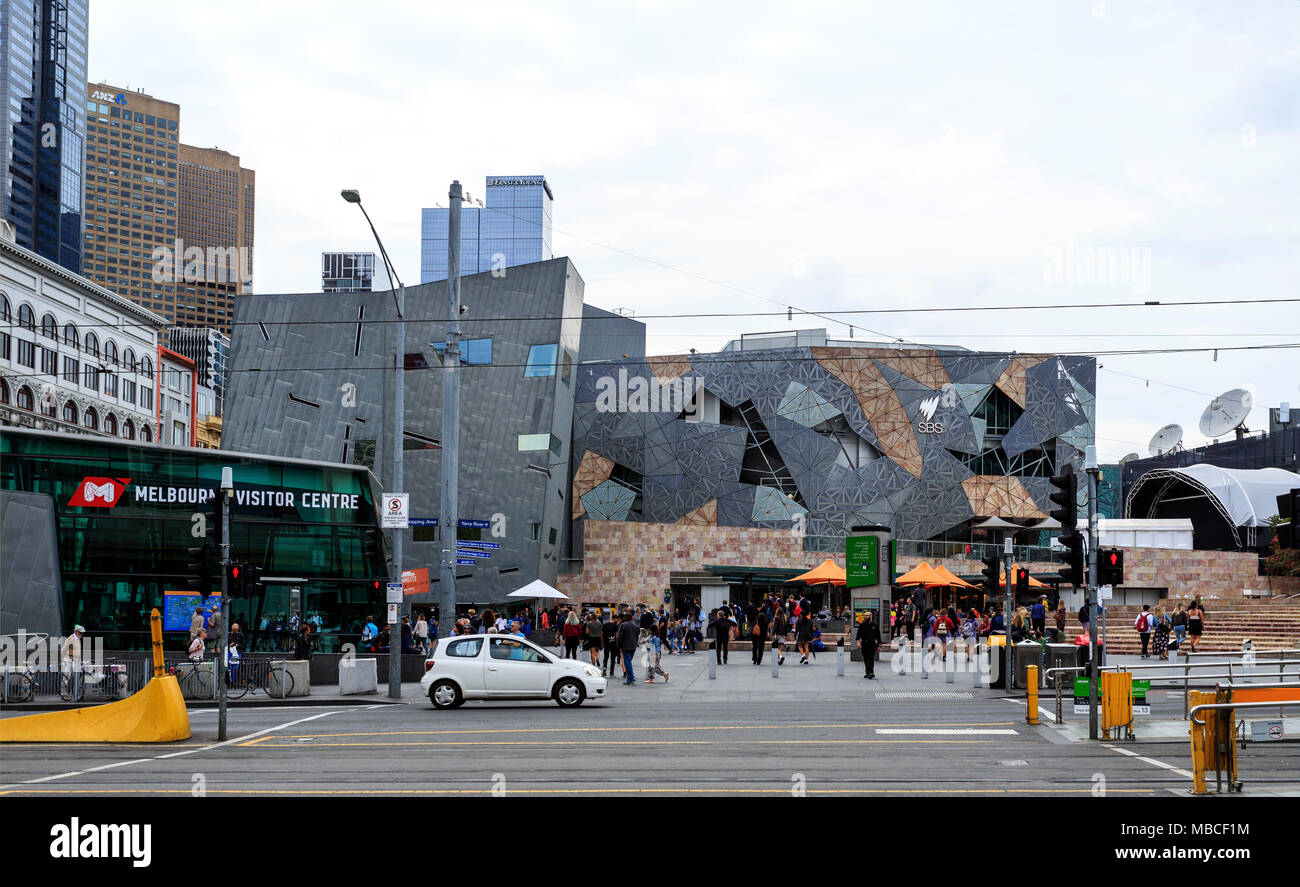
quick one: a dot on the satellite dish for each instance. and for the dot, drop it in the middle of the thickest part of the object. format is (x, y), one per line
(1129, 458)
(1166, 440)
(1227, 412)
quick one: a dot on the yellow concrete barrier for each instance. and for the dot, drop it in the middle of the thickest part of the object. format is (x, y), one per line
(155, 714)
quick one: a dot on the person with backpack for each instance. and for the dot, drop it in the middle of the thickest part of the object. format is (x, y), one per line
(1059, 617)
(1143, 624)
(942, 631)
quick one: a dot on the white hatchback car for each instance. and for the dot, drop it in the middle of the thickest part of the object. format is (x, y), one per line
(499, 666)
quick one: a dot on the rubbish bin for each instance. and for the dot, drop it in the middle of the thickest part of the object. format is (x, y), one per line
(1024, 655)
(1101, 654)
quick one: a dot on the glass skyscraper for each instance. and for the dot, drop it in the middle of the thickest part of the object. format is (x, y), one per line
(347, 272)
(513, 227)
(42, 147)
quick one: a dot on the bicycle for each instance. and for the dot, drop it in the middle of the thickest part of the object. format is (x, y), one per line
(245, 676)
(195, 683)
(20, 684)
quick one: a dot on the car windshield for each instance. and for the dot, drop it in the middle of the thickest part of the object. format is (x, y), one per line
(516, 650)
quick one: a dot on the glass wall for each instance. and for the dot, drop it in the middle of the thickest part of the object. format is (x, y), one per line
(139, 508)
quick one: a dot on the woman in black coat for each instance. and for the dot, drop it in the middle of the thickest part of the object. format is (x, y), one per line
(803, 636)
(758, 637)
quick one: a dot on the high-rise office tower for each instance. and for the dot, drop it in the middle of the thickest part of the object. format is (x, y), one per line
(131, 195)
(43, 119)
(216, 230)
(512, 228)
(347, 272)
(210, 351)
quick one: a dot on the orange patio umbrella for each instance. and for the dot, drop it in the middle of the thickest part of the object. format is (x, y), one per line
(922, 575)
(826, 572)
(953, 578)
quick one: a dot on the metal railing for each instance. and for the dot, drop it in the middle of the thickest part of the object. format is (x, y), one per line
(972, 551)
(77, 681)
(1282, 659)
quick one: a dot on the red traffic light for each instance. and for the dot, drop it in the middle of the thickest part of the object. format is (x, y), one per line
(234, 572)
(1114, 558)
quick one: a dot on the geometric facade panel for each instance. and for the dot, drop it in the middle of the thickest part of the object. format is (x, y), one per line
(803, 405)
(608, 501)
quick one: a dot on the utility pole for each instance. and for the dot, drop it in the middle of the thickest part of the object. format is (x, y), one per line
(219, 663)
(1008, 540)
(1094, 618)
(448, 523)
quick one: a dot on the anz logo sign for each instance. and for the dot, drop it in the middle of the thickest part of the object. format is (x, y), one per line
(118, 99)
(927, 425)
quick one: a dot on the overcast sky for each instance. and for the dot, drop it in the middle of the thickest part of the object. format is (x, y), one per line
(844, 157)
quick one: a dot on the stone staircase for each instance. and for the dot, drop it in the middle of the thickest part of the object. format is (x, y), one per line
(1270, 625)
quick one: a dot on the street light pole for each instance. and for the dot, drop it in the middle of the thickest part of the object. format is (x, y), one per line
(448, 521)
(399, 435)
(219, 663)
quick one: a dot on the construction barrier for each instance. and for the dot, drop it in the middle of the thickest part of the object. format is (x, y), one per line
(1116, 703)
(1214, 744)
(1031, 683)
(155, 714)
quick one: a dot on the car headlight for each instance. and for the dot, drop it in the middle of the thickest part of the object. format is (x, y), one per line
(590, 672)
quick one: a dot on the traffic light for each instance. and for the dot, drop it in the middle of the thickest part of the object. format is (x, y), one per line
(1071, 571)
(252, 580)
(204, 565)
(1110, 566)
(235, 579)
(1067, 497)
(1022, 582)
(990, 573)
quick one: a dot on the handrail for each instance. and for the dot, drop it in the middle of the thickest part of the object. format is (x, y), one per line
(1228, 706)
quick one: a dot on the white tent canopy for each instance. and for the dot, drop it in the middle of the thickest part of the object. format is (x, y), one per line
(1248, 495)
(539, 589)
(1244, 498)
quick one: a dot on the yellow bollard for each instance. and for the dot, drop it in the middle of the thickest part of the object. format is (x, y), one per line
(1031, 679)
(1200, 747)
(155, 630)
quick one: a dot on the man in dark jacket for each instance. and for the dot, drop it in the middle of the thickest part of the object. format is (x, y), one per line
(721, 628)
(627, 637)
(609, 643)
(868, 640)
(759, 639)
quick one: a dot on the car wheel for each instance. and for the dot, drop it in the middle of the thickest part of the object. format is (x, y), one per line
(569, 693)
(445, 694)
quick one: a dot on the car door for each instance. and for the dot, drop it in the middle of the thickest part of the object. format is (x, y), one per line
(462, 660)
(515, 668)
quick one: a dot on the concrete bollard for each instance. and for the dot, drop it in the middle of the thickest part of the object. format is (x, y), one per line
(776, 660)
(713, 662)
(949, 663)
(905, 647)
(977, 676)
(925, 666)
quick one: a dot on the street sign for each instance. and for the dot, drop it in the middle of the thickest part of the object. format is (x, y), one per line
(392, 614)
(465, 543)
(464, 562)
(484, 554)
(862, 560)
(1105, 592)
(394, 592)
(1267, 731)
(397, 511)
(473, 524)
(423, 521)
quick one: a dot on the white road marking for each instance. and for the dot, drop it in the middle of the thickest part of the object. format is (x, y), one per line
(1042, 711)
(188, 751)
(947, 731)
(1132, 754)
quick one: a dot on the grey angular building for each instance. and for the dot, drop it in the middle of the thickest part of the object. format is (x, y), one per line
(310, 378)
(828, 434)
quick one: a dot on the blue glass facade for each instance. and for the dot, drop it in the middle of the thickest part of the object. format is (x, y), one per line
(513, 227)
(42, 149)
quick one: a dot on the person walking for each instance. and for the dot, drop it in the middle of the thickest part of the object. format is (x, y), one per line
(1160, 636)
(909, 620)
(868, 638)
(593, 639)
(1038, 616)
(627, 638)
(758, 637)
(654, 648)
(609, 643)
(422, 633)
(572, 635)
(780, 627)
(721, 628)
(1144, 626)
(196, 622)
(1195, 623)
(1178, 621)
(803, 631)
